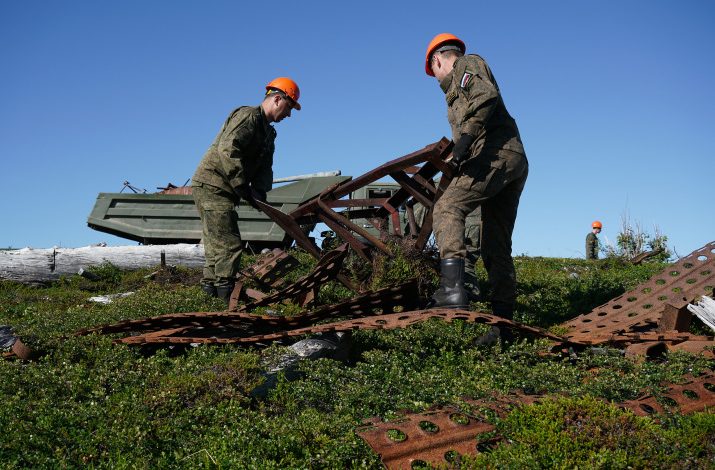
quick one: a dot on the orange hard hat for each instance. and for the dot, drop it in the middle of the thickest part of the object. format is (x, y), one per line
(596, 224)
(287, 86)
(437, 42)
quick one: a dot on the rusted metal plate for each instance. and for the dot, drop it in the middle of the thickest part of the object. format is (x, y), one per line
(642, 307)
(388, 300)
(696, 395)
(236, 334)
(438, 436)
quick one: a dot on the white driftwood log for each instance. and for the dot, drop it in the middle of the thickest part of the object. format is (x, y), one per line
(30, 265)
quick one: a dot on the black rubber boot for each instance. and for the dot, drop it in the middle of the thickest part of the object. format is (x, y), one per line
(505, 334)
(209, 289)
(224, 292)
(451, 293)
(503, 310)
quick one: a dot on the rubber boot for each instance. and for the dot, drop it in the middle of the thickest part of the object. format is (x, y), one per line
(451, 293)
(505, 334)
(209, 289)
(223, 292)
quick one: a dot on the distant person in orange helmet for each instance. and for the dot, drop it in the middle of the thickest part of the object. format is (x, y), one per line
(592, 240)
(237, 166)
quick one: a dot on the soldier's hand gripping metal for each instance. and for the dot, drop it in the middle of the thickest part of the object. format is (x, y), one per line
(244, 192)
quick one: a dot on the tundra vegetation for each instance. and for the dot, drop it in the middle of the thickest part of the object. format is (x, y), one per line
(89, 403)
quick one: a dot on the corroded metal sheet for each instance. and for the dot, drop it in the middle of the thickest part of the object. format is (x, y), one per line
(696, 395)
(388, 300)
(438, 436)
(642, 307)
(234, 334)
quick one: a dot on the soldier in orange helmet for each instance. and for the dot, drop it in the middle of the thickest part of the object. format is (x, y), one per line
(237, 166)
(592, 240)
(491, 171)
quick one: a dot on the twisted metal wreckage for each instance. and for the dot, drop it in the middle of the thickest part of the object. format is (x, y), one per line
(646, 322)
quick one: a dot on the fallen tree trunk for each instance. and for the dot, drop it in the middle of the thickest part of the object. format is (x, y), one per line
(30, 265)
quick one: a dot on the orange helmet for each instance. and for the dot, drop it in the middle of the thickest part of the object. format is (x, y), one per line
(596, 224)
(437, 42)
(287, 86)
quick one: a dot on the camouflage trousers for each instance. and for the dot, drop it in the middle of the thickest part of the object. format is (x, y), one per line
(472, 239)
(221, 237)
(495, 184)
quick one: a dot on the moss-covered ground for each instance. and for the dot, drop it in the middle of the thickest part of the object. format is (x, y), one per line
(88, 403)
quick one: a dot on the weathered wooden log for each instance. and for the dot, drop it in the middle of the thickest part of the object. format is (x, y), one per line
(29, 265)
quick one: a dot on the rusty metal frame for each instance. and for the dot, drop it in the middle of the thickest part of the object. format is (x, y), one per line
(415, 186)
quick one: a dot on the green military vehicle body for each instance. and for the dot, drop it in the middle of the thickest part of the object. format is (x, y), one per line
(172, 218)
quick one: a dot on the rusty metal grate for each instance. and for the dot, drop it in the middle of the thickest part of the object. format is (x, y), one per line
(696, 395)
(642, 307)
(440, 435)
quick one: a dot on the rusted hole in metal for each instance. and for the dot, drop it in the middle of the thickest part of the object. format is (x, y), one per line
(632, 299)
(616, 307)
(691, 394)
(705, 273)
(602, 314)
(586, 331)
(428, 426)
(632, 314)
(419, 465)
(691, 281)
(677, 289)
(647, 290)
(675, 273)
(669, 401)
(709, 387)
(452, 456)
(702, 258)
(647, 408)
(586, 320)
(647, 306)
(662, 297)
(688, 265)
(396, 435)
(459, 418)
(600, 326)
(660, 282)
(381, 322)
(403, 317)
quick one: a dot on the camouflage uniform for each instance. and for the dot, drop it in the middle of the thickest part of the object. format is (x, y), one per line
(241, 157)
(493, 176)
(591, 246)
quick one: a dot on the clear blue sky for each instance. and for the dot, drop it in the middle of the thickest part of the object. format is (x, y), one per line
(615, 101)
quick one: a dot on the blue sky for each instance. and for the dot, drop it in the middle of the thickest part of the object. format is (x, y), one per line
(615, 101)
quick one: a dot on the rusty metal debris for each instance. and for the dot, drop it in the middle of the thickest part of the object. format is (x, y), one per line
(695, 395)
(234, 332)
(416, 184)
(305, 288)
(440, 435)
(390, 299)
(641, 308)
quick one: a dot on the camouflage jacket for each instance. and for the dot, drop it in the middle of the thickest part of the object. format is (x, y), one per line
(475, 107)
(242, 153)
(591, 246)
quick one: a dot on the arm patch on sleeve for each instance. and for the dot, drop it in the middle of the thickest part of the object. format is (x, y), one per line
(466, 78)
